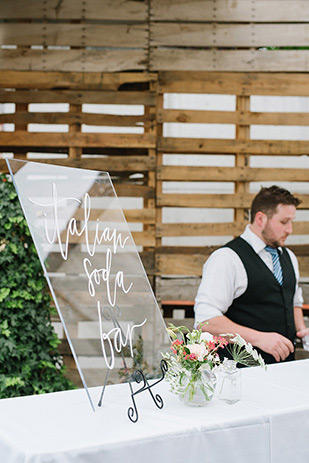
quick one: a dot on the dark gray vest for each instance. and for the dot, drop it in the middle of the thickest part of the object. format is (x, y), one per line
(265, 305)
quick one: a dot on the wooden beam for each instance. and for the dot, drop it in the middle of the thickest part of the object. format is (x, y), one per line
(131, 215)
(230, 11)
(197, 229)
(241, 215)
(111, 164)
(215, 200)
(265, 60)
(192, 265)
(24, 117)
(215, 229)
(140, 238)
(74, 97)
(20, 138)
(96, 59)
(74, 35)
(73, 80)
(129, 10)
(234, 83)
(231, 174)
(230, 146)
(232, 117)
(228, 35)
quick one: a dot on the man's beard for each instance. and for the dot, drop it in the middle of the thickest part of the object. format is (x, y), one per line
(269, 240)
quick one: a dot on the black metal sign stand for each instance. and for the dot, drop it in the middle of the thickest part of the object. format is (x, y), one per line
(138, 376)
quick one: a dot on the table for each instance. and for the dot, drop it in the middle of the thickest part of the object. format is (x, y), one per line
(269, 424)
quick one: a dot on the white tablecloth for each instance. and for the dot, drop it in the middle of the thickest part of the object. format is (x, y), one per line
(269, 424)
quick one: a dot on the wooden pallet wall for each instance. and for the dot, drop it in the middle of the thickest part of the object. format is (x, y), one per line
(154, 35)
(136, 161)
(129, 157)
(188, 260)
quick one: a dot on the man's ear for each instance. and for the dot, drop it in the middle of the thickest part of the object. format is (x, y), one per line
(260, 219)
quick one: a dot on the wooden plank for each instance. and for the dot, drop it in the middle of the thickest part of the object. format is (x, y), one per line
(198, 229)
(237, 83)
(230, 146)
(125, 189)
(232, 117)
(112, 164)
(132, 190)
(75, 35)
(228, 35)
(142, 238)
(192, 265)
(215, 200)
(186, 59)
(241, 215)
(179, 264)
(131, 215)
(130, 10)
(75, 97)
(20, 138)
(104, 60)
(298, 249)
(231, 174)
(147, 216)
(303, 266)
(177, 288)
(230, 11)
(24, 117)
(73, 80)
(301, 228)
(75, 153)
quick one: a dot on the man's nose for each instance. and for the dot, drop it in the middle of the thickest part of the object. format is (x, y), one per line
(289, 228)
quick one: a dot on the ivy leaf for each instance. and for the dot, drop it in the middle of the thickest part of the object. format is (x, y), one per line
(4, 292)
(4, 328)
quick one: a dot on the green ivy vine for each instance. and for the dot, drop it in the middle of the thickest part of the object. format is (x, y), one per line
(29, 360)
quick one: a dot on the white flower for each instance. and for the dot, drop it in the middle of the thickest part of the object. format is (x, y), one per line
(205, 336)
(199, 350)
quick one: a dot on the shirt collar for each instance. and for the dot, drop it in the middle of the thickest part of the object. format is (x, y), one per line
(255, 241)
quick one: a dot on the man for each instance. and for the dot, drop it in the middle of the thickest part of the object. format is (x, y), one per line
(250, 285)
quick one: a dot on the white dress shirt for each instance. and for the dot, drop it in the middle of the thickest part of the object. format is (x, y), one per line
(225, 278)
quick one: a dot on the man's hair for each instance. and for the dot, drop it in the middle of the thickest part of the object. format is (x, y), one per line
(268, 199)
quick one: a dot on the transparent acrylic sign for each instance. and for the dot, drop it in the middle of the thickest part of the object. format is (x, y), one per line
(105, 302)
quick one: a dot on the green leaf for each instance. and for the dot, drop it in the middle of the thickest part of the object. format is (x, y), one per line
(4, 292)
(13, 248)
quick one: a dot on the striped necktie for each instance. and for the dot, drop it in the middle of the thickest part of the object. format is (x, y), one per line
(277, 270)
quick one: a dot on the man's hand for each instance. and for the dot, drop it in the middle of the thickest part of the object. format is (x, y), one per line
(275, 344)
(302, 333)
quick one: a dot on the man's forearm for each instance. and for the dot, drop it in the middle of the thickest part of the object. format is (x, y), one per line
(270, 342)
(222, 324)
(299, 319)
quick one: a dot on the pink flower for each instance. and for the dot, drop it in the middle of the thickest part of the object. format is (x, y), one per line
(211, 345)
(177, 343)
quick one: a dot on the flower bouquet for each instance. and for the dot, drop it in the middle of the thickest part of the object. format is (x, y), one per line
(194, 361)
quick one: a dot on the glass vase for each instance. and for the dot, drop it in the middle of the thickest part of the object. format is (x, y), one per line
(199, 388)
(230, 387)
